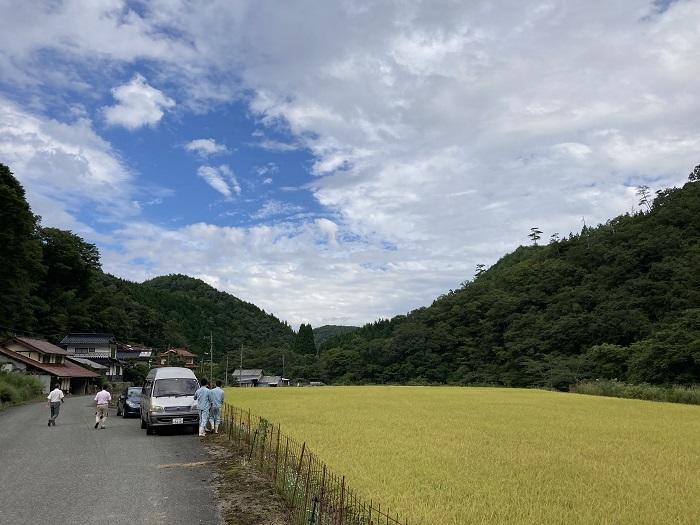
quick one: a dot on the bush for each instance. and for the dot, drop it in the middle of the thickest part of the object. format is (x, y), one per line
(669, 394)
(16, 388)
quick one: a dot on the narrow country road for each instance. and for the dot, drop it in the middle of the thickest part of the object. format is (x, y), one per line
(72, 473)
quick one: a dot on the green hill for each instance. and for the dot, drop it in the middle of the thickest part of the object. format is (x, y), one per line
(52, 283)
(325, 332)
(621, 300)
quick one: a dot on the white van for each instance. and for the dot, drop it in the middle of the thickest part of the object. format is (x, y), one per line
(168, 399)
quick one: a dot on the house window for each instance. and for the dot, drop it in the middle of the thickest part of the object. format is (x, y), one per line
(84, 350)
(45, 358)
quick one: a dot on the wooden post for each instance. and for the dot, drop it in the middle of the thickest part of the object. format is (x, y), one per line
(284, 468)
(296, 479)
(306, 487)
(249, 430)
(320, 501)
(277, 456)
(342, 500)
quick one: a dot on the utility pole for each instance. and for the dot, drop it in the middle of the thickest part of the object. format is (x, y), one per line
(226, 377)
(211, 356)
(240, 368)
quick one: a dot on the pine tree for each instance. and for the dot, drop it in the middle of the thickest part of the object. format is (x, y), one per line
(304, 341)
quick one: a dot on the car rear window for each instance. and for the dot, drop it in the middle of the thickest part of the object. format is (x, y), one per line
(134, 392)
(175, 386)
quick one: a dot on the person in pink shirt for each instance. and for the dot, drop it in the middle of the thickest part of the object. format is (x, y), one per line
(102, 400)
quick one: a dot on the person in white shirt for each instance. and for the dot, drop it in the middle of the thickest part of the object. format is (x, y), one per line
(102, 400)
(55, 398)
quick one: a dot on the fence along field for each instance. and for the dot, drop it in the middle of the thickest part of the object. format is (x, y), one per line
(483, 455)
(315, 494)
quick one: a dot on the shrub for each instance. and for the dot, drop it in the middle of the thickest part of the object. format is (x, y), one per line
(670, 394)
(16, 388)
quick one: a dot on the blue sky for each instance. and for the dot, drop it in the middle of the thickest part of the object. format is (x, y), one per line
(338, 162)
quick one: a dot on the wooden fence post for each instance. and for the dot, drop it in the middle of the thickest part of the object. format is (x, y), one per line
(306, 487)
(342, 500)
(284, 468)
(296, 478)
(277, 456)
(320, 501)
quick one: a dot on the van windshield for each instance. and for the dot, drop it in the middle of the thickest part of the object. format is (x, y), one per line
(174, 387)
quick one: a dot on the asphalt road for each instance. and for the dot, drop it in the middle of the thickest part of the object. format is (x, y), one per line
(72, 473)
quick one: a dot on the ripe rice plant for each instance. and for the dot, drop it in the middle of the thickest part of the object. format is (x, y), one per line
(487, 455)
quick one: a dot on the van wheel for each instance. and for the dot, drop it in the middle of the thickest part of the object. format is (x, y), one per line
(150, 430)
(143, 424)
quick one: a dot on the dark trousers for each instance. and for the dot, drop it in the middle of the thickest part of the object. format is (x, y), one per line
(55, 408)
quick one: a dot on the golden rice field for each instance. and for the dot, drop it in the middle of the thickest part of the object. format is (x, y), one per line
(486, 455)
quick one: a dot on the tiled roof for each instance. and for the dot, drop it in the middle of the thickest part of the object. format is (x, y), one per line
(179, 351)
(92, 364)
(87, 339)
(271, 379)
(40, 345)
(69, 369)
(248, 372)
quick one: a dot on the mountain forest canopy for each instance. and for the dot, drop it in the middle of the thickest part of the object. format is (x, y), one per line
(618, 301)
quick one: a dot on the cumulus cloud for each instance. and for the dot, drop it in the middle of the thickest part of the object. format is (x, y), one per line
(222, 179)
(65, 168)
(206, 147)
(139, 104)
(443, 129)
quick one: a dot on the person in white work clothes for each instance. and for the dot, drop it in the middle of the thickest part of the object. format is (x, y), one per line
(102, 400)
(55, 398)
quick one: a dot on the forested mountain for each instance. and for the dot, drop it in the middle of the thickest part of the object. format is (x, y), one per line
(322, 333)
(621, 300)
(51, 283)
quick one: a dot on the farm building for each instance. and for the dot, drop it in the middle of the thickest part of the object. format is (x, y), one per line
(256, 378)
(177, 357)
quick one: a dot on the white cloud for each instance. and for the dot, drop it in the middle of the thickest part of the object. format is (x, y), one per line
(445, 129)
(274, 208)
(139, 104)
(206, 147)
(222, 179)
(66, 169)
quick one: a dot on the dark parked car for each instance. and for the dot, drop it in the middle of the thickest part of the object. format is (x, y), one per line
(129, 403)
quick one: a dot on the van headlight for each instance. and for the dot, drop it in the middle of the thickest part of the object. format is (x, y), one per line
(157, 408)
(194, 407)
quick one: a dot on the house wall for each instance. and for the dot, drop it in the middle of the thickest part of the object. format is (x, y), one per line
(21, 349)
(91, 350)
(45, 381)
(11, 364)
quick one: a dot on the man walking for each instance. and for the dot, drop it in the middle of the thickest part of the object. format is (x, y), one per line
(102, 400)
(217, 399)
(203, 398)
(55, 398)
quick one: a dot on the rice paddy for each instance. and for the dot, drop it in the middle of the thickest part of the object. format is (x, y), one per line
(485, 455)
